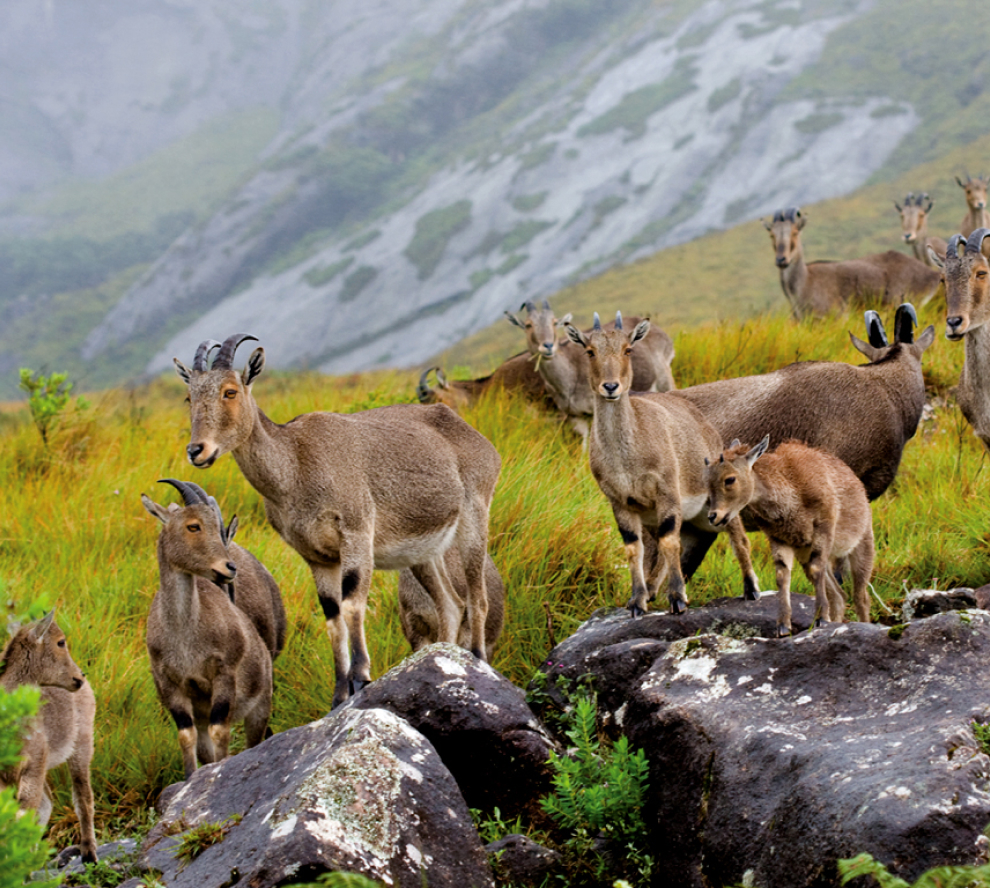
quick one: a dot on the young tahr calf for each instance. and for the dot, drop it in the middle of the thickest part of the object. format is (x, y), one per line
(811, 506)
(62, 731)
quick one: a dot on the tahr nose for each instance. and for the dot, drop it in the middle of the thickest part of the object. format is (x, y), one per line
(610, 387)
(954, 322)
(712, 516)
(231, 569)
(194, 450)
(781, 262)
(548, 347)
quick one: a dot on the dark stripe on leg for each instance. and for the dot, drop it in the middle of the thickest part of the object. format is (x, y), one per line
(331, 610)
(183, 720)
(219, 712)
(667, 526)
(350, 583)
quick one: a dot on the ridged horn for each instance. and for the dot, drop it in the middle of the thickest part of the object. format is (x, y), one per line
(423, 390)
(225, 357)
(952, 248)
(192, 494)
(618, 320)
(546, 304)
(974, 243)
(598, 322)
(202, 357)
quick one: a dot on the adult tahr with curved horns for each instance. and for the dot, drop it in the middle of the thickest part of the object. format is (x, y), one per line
(977, 215)
(817, 288)
(387, 488)
(211, 643)
(966, 272)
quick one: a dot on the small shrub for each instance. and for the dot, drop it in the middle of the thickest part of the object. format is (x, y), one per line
(320, 275)
(939, 877)
(526, 203)
(48, 396)
(818, 123)
(982, 735)
(724, 94)
(433, 232)
(356, 281)
(201, 837)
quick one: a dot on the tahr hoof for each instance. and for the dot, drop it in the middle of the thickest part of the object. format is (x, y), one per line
(783, 631)
(636, 611)
(356, 684)
(819, 622)
(477, 653)
(678, 607)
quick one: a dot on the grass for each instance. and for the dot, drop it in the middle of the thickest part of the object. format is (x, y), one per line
(73, 534)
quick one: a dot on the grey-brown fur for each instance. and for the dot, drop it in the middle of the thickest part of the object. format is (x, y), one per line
(864, 415)
(647, 454)
(966, 272)
(515, 374)
(61, 732)
(418, 612)
(386, 489)
(977, 216)
(563, 365)
(914, 227)
(811, 507)
(818, 288)
(211, 666)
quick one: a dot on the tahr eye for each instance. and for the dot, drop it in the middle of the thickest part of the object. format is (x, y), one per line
(729, 482)
(230, 393)
(590, 352)
(193, 528)
(61, 642)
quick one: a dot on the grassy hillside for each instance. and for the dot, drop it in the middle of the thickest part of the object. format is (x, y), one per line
(73, 533)
(731, 274)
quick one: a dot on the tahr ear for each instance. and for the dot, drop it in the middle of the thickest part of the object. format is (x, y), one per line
(185, 374)
(758, 450)
(925, 339)
(255, 364)
(867, 350)
(153, 508)
(938, 260)
(514, 320)
(642, 328)
(576, 335)
(566, 319)
(232, 526)
(40, 629)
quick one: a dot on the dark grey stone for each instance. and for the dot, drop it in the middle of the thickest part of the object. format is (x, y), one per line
(521, 861)
(920, 603)
(476, 719)
(771, 759)
(357, 791)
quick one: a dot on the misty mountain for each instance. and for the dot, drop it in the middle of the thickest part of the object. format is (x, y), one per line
(396, 173)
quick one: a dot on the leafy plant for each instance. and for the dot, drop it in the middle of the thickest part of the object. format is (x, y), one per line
(342, 880)
(21, 849)
(48, 396)
(939, 877)
(203, 836)
(982, 734)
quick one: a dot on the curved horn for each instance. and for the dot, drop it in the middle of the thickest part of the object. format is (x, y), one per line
(546, 304)
(598, 322)
(423, 389)
(202, 357)
(618, 320)
(952, 249)
(875, 332)
(529, 306)
(974, 243)
(905, 320)
(225, 357)
(192, 494)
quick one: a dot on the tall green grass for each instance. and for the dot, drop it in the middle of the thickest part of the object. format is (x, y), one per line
(73, 532)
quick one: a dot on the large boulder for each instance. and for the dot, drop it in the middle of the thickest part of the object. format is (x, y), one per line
(476, 719)
(357, 791)
(616, 648)
(771, 759)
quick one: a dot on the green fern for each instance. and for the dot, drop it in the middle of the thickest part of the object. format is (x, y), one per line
(939, 877)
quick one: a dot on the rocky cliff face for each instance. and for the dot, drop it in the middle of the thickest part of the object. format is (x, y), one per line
(442, 160)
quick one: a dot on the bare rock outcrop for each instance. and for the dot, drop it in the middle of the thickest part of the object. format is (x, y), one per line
(357, 791)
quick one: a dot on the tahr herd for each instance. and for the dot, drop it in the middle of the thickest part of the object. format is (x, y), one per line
(408, 487)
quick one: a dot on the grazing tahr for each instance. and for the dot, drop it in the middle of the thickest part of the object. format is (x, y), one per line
(563, 365)
(61, 732)
(647, 454)
(211, 649)
(977, 215)
(515, 374)
(817, 288)
(864, 415)
(914, 225)
(811, 507)
(387, 488)
(418, 612)
(966, 272)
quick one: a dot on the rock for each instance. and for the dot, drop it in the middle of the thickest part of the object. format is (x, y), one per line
(920, 603)
(477, 720)
(617, 649)
(521, 861)
(357, 791)
(771, 759)
(982, 596)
